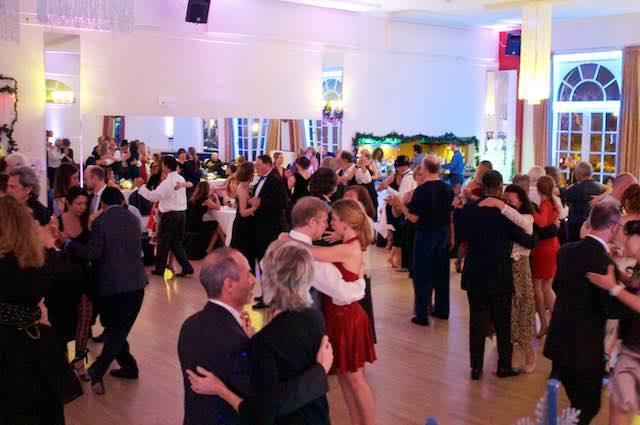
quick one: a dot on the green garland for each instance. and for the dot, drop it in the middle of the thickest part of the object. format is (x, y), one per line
(395, 139)
(7, 129)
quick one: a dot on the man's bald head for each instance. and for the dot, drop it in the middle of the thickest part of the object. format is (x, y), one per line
(431, 164)
(623, 181)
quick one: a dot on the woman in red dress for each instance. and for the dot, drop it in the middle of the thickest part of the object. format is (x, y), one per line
(543, 256)
(348, 325)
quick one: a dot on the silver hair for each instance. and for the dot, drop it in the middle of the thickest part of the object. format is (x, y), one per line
(28, 178)
(218, 266)
(329, 162)
(305, 209)
(535, 173)
(15, 160)
(287, 275)
(583, 170)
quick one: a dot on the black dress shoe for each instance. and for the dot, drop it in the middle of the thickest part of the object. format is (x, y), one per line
(124, 373)
(99, 339)
(420, 322)
(97, 386)
(157, 273)
(507, 373)
(440, 316)
(184, 273)
(476, 374)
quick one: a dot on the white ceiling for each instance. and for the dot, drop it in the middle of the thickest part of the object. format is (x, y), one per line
(473, 12)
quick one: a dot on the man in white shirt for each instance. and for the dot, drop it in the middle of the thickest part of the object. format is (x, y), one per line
(94, 181)
(309, 221)
(171, 197)
(54, 159)
(403, 167)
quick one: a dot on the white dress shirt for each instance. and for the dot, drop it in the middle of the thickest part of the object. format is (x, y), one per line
(407, 184)
(261, 181)
(328, 279)
(168, 199)
(235, 313)
(54, 156)
(95, 201)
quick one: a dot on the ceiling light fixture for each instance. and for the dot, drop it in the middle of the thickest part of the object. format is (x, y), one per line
(535, 56)
(348, 5)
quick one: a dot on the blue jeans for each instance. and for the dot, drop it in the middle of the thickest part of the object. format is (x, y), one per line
(431, 271)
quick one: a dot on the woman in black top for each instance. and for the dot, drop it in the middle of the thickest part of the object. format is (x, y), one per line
(132, 169)
(203, 234)
(70, 308)
(32, 364)
(284, 351)
(190, 170)
(299, 182)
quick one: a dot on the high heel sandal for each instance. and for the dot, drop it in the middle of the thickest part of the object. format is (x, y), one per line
(78, 364)
(543, 332)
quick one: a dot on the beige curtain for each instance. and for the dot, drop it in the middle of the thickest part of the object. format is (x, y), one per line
(297, 135)
(229, 154)
(274, 139)
(541, 131)
(629, 146)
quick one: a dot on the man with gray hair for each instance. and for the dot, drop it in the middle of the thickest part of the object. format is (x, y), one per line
(24, 187)
(309, 221)
(578, 197)
(217, 339)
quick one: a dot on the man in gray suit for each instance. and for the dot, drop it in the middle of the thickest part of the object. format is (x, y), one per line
(114, 249)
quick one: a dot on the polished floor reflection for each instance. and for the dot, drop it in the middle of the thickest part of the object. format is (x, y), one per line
(420, 372)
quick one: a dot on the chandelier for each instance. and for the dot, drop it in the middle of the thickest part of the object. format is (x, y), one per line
(103, 15)
(535, 54)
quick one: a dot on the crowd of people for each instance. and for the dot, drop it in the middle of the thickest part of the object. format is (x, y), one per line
(536, 257)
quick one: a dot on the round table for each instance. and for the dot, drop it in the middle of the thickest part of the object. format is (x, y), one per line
(225, 217)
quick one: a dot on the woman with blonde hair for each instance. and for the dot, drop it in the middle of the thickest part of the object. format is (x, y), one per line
(32, 363)
(291, 349)
(348, 325)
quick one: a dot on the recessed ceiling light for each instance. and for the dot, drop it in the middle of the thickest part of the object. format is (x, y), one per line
(348, 5)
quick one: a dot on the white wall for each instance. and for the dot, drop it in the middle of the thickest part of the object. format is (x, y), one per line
(188, 132)
(64, 120)
(607, 32)
(151, 130)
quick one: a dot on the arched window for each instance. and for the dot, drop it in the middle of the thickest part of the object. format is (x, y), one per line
(319, 133)
(585, 111)
(589, 82)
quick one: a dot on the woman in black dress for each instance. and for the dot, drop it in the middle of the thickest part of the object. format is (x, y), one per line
(299, 183)
(70, 309)
(292, 344)
(203, 234)
(32, 364)
(242, 237)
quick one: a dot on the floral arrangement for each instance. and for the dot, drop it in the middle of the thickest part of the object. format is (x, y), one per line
(6, 129)
(126, 184)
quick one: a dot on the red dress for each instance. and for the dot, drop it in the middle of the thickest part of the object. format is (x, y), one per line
(543, 256)
(349, 331)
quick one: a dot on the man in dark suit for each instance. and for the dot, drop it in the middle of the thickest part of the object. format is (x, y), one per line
(487, 275)
(578, 197)
(575, 342)
(270, 197)
(114, 249)
(216, 339)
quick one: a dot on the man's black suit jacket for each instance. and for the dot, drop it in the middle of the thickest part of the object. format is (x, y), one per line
(576, 332)
(490, 237)
(212, 338)
(269, 218)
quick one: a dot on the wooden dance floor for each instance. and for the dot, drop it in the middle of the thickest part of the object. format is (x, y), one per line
(420, 372)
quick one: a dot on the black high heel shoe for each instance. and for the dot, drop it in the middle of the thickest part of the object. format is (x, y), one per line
(78, 364)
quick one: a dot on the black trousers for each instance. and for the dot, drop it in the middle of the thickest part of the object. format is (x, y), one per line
(431, 271)
(171, 238)
(583, 389)
(486, 310)
(118, 314)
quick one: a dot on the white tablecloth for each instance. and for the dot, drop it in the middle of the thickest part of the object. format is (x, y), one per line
(225, 217)
(217, 182)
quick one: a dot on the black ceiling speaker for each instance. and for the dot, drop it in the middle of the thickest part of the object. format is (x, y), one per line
(198, 11)
(513, 44)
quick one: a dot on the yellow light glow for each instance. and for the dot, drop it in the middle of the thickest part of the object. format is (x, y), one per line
(62, 97)
(490, 100)
(535, 57)
(255, 128)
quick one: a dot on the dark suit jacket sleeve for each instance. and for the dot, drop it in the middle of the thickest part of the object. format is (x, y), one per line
(518, 235)
(94, 248)
(274, 198)
(547, 232)
(462, 224)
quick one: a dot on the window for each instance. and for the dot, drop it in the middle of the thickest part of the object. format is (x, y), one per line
(249, 137)
(210, 134)
(585, 111)
(317, 132)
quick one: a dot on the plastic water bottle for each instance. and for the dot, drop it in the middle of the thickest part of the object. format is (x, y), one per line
(431, 421)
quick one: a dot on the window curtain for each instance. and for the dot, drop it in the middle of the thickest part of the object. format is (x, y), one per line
(274, 139)
(541, 133)
(296, 127)
(229, 150)
(629, 148)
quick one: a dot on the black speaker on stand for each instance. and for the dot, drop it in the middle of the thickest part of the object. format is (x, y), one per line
(198, 11)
